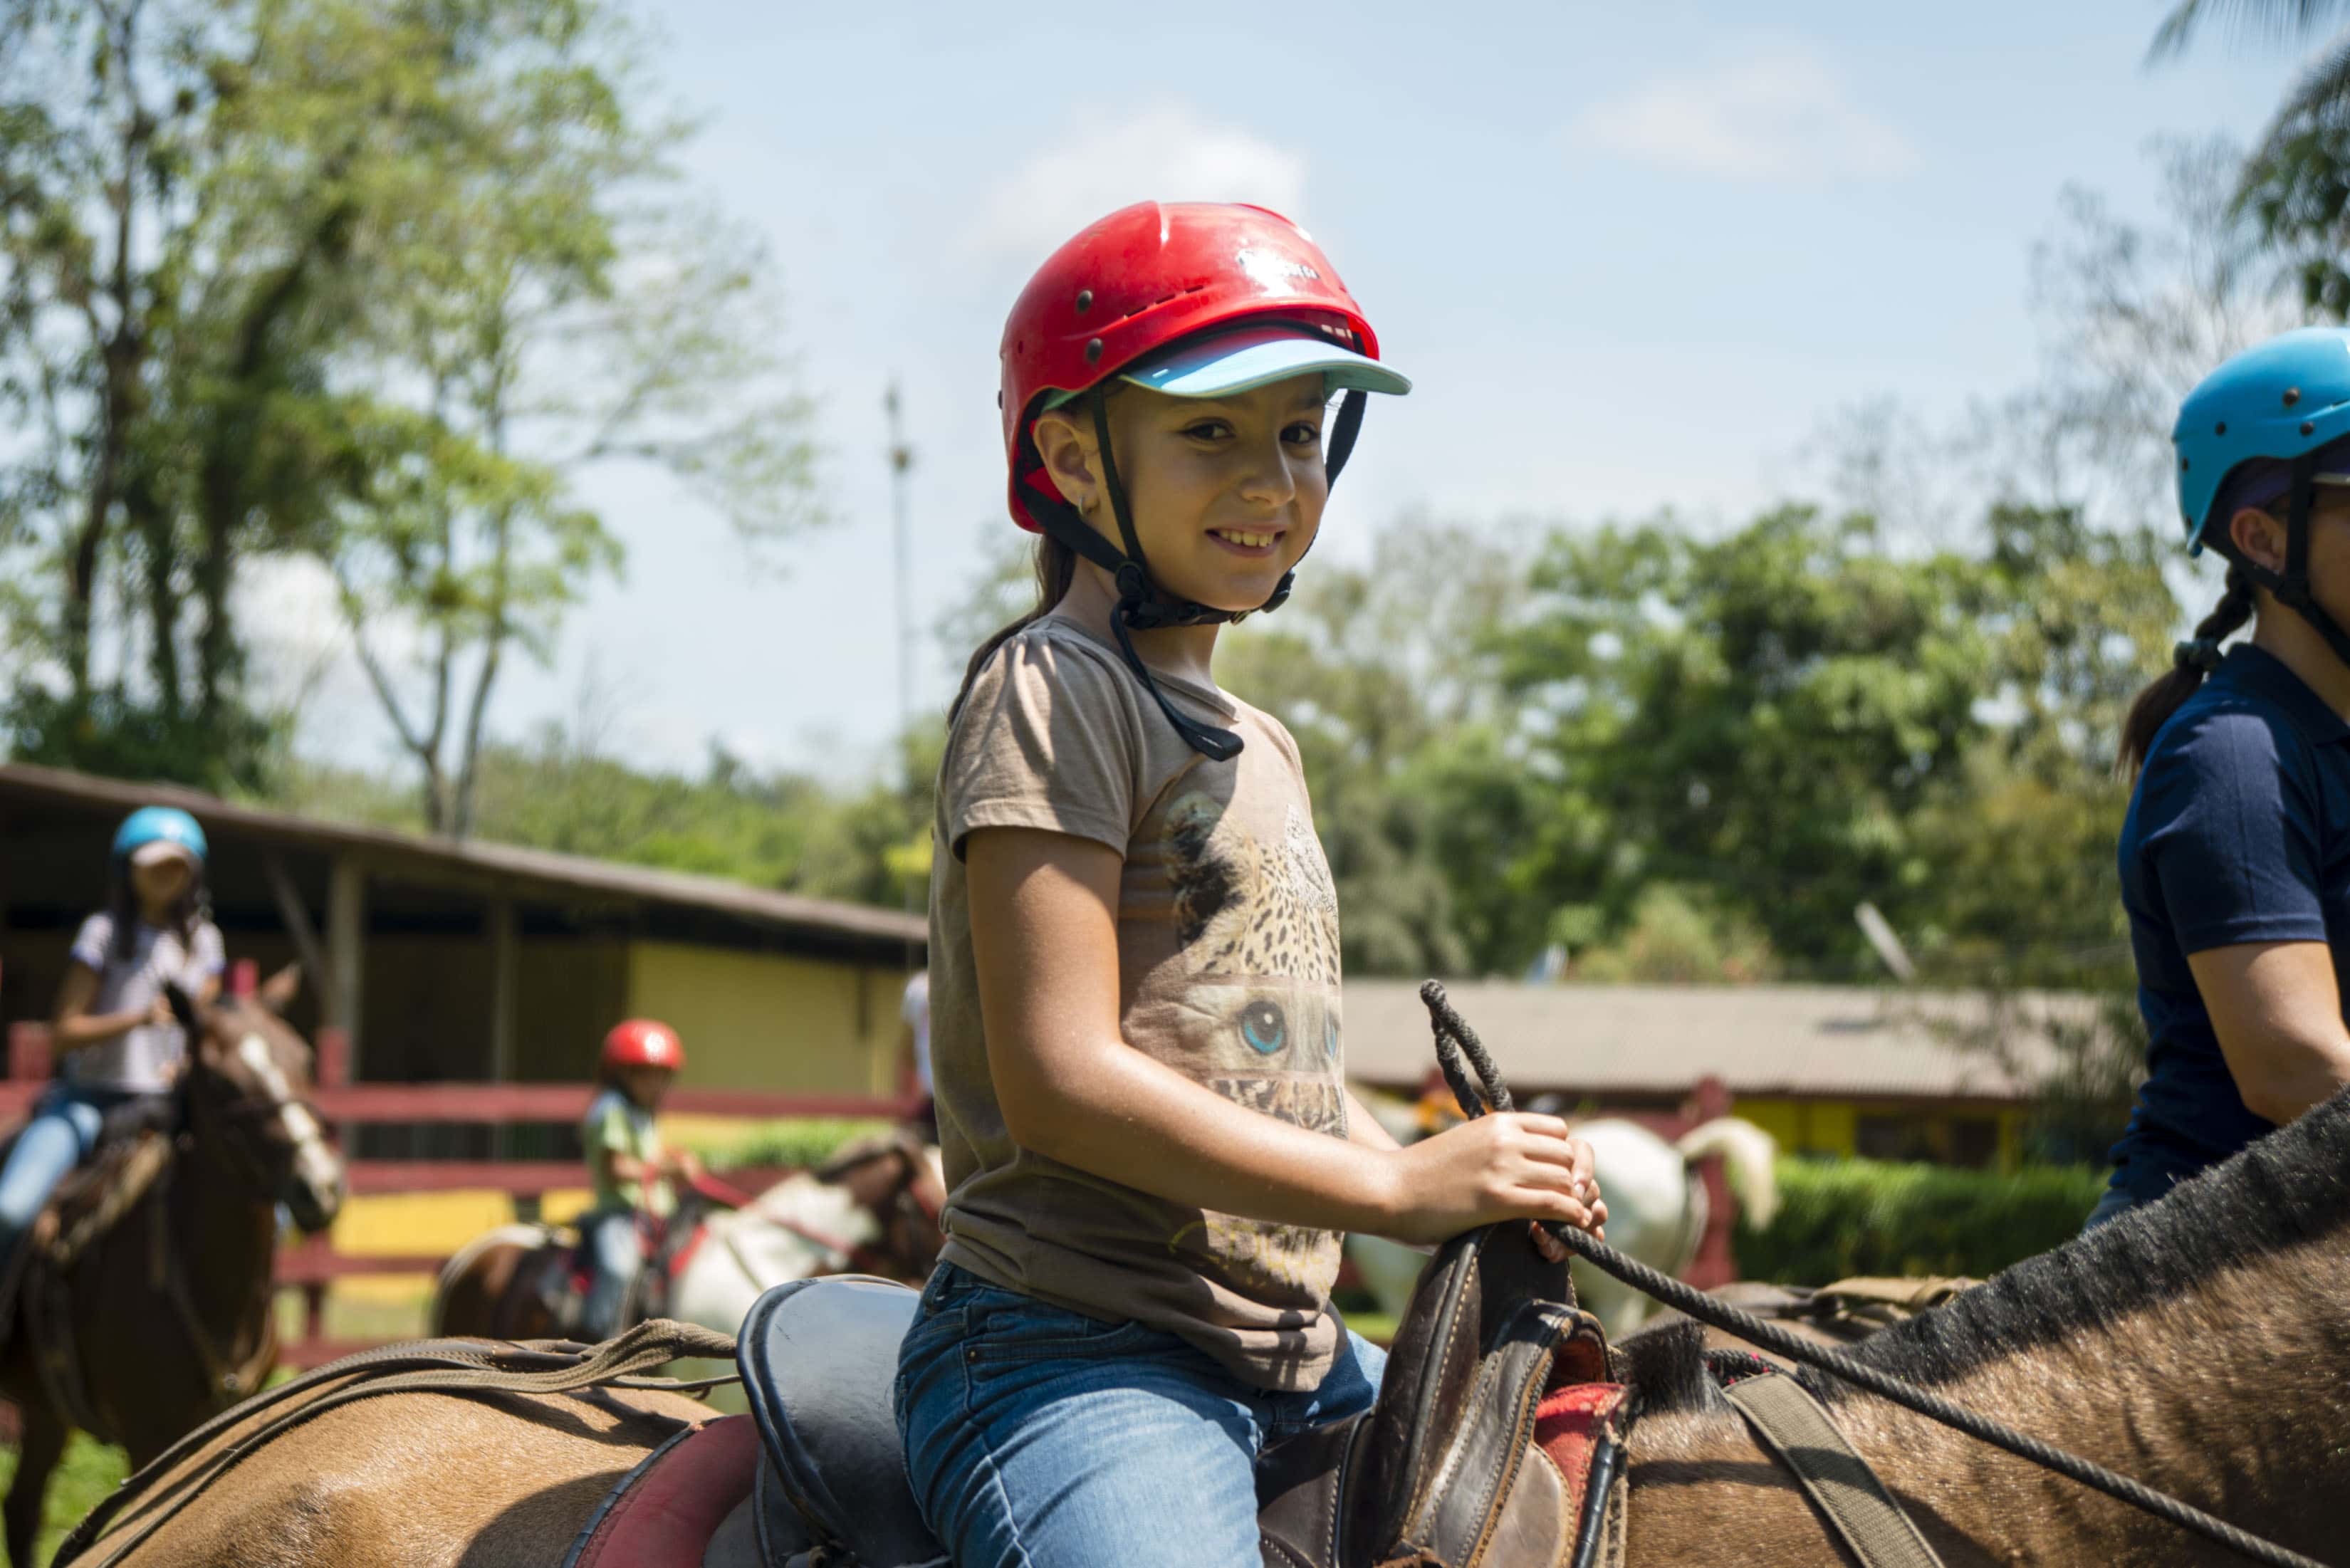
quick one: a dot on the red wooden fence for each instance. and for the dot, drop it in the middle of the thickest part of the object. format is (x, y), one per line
(312, 1265)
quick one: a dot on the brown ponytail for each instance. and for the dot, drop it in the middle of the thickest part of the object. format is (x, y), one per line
(2196, 658)
(1056, 568)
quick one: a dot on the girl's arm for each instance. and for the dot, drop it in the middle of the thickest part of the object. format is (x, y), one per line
(1364, 1128)
(1044, 936)
(2278, 1013)
(73, 1026)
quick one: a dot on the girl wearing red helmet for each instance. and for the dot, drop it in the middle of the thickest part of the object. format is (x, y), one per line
(1134, 941)
(630, 1171)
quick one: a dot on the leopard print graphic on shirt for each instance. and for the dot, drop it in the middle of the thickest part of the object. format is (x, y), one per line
(1248, 909)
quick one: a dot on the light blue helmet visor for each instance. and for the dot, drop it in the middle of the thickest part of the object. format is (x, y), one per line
(1252, 357)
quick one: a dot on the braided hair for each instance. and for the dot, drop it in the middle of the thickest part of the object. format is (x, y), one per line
(2191, 661)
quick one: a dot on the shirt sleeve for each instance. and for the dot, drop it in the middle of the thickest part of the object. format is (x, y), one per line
(604, 1126)
(1048, 739)
(91, 942)
(2230, 830)
(208, 956)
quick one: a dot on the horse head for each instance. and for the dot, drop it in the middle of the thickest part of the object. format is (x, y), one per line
(248, 1083)
(896, 1177)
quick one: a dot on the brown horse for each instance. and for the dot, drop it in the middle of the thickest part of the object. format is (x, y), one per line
(2201, 1345)
(161, 1315)
(873, 1208)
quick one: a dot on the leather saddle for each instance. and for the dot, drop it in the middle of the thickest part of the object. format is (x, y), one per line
(1495, 1440)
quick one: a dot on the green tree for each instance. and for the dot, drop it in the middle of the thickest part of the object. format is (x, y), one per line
(536, 313)
(366, 279)
(1797, 719)
(176, 201)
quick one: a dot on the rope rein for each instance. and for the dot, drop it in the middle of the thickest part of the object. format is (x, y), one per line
(1486, 1091)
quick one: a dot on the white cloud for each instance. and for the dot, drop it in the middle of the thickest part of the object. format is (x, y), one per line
(1165, 152)
(1784, 116)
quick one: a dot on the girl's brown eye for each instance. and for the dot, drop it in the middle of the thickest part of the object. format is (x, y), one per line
(1303, 434)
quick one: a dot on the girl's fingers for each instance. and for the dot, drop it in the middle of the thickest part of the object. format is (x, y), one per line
(1585, 1161)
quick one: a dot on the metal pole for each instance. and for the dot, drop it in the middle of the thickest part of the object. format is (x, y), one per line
(901, 462)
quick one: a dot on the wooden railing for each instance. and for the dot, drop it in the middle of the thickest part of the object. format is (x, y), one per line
(313, 1264)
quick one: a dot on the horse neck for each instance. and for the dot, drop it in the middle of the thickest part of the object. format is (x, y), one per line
(2234, 1395)
(824, 1208)
(223, 1232)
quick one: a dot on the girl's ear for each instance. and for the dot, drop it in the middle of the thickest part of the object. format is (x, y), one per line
(2258, 538)
(1067, 448)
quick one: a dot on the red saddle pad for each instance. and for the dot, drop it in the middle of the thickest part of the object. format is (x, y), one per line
(663, 1512)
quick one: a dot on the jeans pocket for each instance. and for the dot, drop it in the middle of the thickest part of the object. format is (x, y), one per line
(1033, 1331)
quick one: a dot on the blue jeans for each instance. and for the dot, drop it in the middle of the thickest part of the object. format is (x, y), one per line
(1037, 1438)
(62, 1134)
(616, 1252)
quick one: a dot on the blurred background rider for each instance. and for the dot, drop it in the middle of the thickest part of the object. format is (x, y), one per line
(114, 1031)
(630, 1171)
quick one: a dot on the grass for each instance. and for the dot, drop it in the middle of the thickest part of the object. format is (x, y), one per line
(89, 1470)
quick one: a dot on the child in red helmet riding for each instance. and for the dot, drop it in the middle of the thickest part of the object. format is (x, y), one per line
(1135, 1041)
(630, 1171)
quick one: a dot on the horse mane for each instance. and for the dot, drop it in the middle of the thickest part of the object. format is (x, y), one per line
(2286, 1190)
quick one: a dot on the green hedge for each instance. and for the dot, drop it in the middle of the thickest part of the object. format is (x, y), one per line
(1839, 1218)
(788, 1141)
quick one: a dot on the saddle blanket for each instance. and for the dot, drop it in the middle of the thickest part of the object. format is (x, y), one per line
(664, 1512)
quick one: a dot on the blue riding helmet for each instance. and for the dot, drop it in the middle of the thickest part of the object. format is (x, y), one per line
(159, 824)
(2282, 400)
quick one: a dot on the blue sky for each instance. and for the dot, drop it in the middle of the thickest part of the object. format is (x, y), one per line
(1632, 256)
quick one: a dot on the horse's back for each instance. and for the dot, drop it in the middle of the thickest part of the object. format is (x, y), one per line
(418, 1480)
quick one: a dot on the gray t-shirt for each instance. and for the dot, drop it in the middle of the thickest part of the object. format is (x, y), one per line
(1228, 971)
(140, 1061)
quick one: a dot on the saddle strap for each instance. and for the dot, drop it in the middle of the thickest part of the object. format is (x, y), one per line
(1858, 1509)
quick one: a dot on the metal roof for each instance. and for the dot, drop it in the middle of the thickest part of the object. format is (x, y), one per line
(517, 870)
(1801, 1041)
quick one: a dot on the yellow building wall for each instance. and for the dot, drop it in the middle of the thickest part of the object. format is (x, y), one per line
(772, 1021)
(1831, 1128)
(1803, 1127)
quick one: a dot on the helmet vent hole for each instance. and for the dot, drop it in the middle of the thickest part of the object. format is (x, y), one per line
(2220, 428)
(2292, 396)
(1094, 351)
(2308, 427)
(1084, 300)
(2182, 465)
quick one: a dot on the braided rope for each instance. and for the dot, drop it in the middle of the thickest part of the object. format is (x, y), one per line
(1454, 1039)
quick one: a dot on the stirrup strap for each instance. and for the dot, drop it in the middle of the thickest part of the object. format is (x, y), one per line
(1840, 1484)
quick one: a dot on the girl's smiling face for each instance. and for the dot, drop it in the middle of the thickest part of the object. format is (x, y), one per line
(1226, 493)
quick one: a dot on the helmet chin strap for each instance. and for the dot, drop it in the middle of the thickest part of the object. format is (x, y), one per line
(1142, 605)
(2291, 586)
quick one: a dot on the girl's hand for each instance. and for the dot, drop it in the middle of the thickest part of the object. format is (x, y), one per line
(1508, 1166)
(160, 1011)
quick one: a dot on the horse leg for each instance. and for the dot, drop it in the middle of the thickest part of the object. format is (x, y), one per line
(38, 1448)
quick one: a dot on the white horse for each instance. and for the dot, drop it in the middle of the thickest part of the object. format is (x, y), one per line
(1656, 1211)
(797, 1229)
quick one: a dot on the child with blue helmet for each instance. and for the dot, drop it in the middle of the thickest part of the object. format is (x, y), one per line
(117, 1040)
(2235, 856)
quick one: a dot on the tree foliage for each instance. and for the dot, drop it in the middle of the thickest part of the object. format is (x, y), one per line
(365, 281)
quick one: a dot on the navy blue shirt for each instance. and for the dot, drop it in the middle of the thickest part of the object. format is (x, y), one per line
(2238, 831)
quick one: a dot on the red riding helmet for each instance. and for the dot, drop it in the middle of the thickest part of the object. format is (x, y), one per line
(642, 1042)
(1136, 282)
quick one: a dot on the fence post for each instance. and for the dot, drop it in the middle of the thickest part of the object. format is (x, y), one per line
(1716, 1262)
(28, 1052)
(332, 1046)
